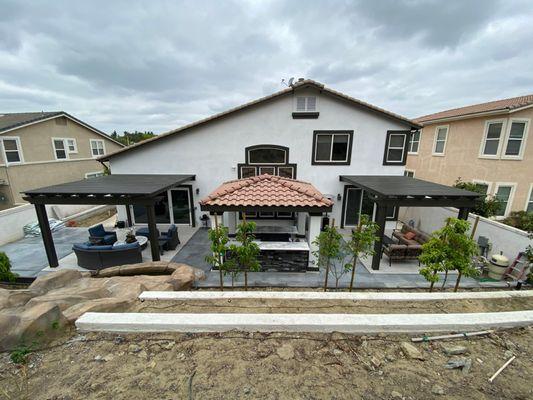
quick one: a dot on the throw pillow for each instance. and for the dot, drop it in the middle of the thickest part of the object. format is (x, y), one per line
(409, 235)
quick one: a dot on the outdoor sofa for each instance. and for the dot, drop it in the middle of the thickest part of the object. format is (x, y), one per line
(169, 239)
(96, 257)
(409, 246)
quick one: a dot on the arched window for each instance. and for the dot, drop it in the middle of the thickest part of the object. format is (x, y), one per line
(261, 155)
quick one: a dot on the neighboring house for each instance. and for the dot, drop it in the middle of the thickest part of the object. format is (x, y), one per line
(484, 143)
(45, 148)
(306, 132)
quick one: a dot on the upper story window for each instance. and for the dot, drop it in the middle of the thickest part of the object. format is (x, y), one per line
(332, 147)
(529, 203)
(63, 147)
(492, 138)
(504, 193)
(12, 150)
(514, 146)
(396, 148)
(414, 142)
(441, 136)
(266, 155)
(97, 147)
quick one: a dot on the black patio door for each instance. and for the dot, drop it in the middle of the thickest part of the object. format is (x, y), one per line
(352, 206)
(181, 206)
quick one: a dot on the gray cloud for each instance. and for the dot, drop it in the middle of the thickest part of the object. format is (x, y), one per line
(156, 65)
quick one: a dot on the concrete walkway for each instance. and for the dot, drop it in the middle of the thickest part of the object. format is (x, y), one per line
(28, 257)
(194, 252)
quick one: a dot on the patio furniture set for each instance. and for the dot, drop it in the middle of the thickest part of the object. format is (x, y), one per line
(103, 250)
(405, 244)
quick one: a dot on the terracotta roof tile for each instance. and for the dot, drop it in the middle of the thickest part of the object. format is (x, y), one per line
(267, 191)
(504, 105)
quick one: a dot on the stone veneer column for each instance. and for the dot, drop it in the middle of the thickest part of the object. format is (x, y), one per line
(315, 222)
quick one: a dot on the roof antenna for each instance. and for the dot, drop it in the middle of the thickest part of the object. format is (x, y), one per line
(288, 84)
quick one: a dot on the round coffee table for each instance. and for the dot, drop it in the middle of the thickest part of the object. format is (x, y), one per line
(143, 241)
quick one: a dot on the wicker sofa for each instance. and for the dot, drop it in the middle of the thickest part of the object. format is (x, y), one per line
(95, 257)
(409, 246)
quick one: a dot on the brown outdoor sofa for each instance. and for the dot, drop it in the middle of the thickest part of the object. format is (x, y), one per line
(405, 249)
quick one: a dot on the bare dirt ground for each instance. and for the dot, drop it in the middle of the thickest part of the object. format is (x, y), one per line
(334, 306)
(237, 365)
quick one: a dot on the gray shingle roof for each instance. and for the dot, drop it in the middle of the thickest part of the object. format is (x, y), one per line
(13, 120)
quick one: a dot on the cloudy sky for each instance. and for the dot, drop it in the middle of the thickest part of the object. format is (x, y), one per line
(156, 65)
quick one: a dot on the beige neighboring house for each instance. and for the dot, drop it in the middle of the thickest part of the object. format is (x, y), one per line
(46, 148)
(484, 143)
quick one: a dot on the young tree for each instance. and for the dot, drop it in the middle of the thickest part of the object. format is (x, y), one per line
(361, 243)
(450, 248)
(218, 235)
(342, 264)
(246, 251)
(329, 245)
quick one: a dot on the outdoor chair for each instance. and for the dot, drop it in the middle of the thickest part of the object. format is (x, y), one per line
(97, 234)
(395, 252)
(145, 232)
(171, 237)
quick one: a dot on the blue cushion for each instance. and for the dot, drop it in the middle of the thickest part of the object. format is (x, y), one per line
(81, 246)
(97, 230)
(124, 246)
(85, 246)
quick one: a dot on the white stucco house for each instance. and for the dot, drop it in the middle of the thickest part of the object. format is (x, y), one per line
(306, 132)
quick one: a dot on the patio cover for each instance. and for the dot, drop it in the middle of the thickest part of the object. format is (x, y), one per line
(404, 191)
(266, 193)
(109, 189)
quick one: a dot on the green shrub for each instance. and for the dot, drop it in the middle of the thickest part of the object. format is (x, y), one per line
(486, 206)
(521, 220)
(5, 269)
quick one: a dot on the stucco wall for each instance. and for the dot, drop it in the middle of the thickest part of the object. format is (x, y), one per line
(212, 151)
(504, 238)
(462, 158)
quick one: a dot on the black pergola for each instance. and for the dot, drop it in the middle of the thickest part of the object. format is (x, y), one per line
(124, 190)
(403, 191)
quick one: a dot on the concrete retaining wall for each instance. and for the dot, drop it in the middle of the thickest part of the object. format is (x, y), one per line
(504, 238)
(347, 323)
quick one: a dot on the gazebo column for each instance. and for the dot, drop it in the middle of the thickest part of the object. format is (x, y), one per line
(152, 232)
(128, 215)
(301, 217)
(463, 213)
(315, 222)
(216, 219)
(232, 222)
(42, 217)
(381, 219)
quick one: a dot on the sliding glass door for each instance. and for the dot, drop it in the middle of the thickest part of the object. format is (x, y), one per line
(181, 206)
(174, 208)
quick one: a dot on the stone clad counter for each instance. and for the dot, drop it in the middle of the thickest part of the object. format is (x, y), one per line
(283, 256)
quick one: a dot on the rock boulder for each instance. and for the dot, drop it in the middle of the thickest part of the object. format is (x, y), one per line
(55, 280)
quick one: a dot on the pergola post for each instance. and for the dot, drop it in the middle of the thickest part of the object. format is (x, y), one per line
(315, 223)
(381, 219)
(463, 213)
(128, 215)
(152, 232)
(40, 210)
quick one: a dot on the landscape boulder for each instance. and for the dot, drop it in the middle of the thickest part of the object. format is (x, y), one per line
(108, 304)
(55, 280)
(15, 298)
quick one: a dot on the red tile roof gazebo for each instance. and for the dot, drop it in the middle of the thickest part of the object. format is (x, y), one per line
(266, 193)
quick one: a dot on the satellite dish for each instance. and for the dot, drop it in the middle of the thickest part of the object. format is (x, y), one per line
(291, 81)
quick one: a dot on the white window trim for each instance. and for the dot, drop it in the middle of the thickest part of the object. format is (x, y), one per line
(507, 136)
(411, 171)
(97, 173)
(445, 140)
(482, 182)
(306, 110)
(405, 138)
(497, 185)
(91, 141)
(501, 140)
(65, 148)
(75, 151)
(19, 148)
(331, 148)
(414, 153)
(529, 194)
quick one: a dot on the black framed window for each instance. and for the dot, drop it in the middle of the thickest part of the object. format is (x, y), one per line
(332, 147)
(266, 155)
(396, 147)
